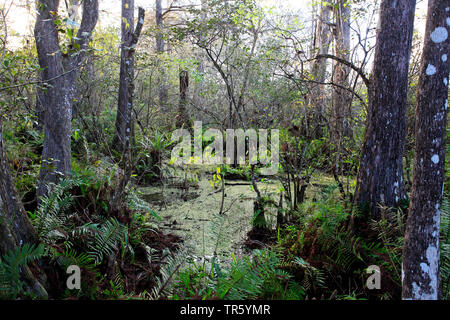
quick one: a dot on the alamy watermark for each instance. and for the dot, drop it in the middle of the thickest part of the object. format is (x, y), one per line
(242, 147)
(374, 281)
(74, 280)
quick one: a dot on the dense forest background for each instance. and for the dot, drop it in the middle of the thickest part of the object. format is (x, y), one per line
(91, 92)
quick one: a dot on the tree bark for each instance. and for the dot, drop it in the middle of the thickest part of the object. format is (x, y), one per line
(420, 269)
(130, 37)
(183, 116)
(15, 226)
(59, 72)
(380, 180)
(124, 120)
(321, 44)
(341, 99)
(160, 46)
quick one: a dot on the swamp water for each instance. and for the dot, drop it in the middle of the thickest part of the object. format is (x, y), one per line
(193, 214)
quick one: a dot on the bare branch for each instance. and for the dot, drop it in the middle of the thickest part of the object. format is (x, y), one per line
(347, 63)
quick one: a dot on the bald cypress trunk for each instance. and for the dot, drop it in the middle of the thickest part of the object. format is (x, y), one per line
(421, 247)
(59, 72)
(380, 180)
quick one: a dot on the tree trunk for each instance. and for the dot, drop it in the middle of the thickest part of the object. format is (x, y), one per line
(15, 226)
(322, 38)
(124, 119)
(59, 73)
(160, 44)
(40, 107)
(380, 178)
(183, 117)
(420, 267)
(130, 37)
(341, 99)
(200, 55)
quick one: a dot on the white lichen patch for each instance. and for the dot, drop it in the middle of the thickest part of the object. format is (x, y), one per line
(440, 34)
(439, 116)
(433, 262)
(430, 70)
(437, 142)
(448, 21)
(445, 81)
(435, 159)
(444, 57)
(425, 268)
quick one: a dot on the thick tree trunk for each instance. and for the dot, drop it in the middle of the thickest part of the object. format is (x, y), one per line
(341, 99)
(420, 267)
(380, 180)
(59, 73)
(130, 37)
(58, 111)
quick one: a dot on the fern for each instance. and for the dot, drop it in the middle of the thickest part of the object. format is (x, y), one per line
(107, 239)
(170, 268)
(343, 251)
(52, 221)
(256, 278)
(71, 257)
(11, 264)
(390, 229)
(137, 204)
(313, 277)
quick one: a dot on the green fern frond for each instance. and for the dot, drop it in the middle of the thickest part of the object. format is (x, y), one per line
(170, 268)
(137, 204)
(110, 235)
(10, 264)
(53, 218)
(71, 257)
